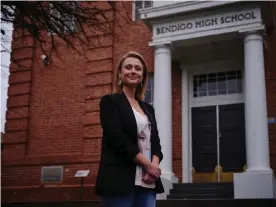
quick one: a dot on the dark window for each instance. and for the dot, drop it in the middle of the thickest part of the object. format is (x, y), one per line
(149, 91)
(140, 5)
(147, 4)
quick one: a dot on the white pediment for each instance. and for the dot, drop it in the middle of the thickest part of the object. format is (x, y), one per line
(207, 23)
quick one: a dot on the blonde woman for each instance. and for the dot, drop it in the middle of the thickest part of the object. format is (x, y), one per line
(129, 173)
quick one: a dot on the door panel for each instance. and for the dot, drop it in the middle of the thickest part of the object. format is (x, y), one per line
(232, 140)
(204, 139)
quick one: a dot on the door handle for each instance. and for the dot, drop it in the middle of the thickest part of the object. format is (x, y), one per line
(219, 135)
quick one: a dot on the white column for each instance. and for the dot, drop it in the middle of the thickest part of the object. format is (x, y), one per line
(185, 127)
(257, 145)
(163, 104)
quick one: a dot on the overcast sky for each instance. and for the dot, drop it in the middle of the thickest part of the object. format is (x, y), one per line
(5, 62)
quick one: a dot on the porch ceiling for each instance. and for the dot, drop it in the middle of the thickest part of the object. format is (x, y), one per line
(209, 51)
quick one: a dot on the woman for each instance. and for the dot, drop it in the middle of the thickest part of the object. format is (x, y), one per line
(129, 173)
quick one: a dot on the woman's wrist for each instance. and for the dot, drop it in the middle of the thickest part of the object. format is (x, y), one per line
(155, 160)
(141, 160)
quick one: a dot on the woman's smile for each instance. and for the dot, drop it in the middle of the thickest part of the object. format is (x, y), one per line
(133, 77)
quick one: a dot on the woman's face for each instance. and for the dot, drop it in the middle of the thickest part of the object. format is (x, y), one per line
(132, 72)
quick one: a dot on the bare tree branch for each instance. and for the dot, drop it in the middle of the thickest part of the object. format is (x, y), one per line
(70, 21)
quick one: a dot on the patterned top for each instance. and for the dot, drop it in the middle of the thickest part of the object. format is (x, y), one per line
(143, 138)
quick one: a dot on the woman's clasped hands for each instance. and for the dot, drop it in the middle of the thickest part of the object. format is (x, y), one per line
(152, 172)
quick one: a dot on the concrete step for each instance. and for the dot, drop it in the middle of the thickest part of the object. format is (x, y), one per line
(201, 191)
(199, 196)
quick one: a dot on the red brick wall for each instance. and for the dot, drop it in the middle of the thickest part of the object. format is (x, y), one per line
(270, 72)
(19, 93)
(53, 114)
(177, 120)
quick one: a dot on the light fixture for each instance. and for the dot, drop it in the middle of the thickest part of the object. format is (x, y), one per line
(45, 60)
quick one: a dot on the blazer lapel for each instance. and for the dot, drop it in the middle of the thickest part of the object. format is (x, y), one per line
(130, 117)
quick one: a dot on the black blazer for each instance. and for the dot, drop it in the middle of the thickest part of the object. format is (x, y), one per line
(117, 169)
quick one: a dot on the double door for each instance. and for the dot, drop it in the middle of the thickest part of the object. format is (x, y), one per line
(218, 142)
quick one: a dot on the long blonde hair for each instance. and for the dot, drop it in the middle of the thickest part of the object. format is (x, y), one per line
(142, 87)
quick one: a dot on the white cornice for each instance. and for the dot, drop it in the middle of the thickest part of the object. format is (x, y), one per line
(179, 7)
(226, 30)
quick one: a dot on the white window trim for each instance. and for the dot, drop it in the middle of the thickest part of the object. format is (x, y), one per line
(134, 9)
(214, 67)
(218, 99)
(215, 100)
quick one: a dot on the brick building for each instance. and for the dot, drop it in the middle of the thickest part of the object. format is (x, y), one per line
(213, 72)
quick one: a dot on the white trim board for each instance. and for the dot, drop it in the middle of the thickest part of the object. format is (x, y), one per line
(218, 66)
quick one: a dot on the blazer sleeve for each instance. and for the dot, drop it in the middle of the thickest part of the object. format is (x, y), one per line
(156, 147)
(113, 131)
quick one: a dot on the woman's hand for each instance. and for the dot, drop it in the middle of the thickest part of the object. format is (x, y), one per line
(153, 170)
(150, 168)
(148, 179)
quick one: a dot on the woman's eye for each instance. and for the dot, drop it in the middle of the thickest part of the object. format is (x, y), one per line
(128, 66)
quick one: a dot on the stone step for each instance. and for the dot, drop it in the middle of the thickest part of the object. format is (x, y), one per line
(201, 191)
(223, 193)
(199, 196)
(202, 185)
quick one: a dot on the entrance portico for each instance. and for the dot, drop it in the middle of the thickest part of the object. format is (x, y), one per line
(246, 107)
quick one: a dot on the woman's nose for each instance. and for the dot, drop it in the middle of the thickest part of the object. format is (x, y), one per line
(133, 70)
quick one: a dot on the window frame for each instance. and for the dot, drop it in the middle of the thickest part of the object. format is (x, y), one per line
(134, 11)
(228, 90)
(150, 88)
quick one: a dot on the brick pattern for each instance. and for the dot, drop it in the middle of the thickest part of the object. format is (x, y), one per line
(48, 193)
(13, 175)
(270, 72)
(177, 121)
(53, 116)
(17, 189)
(19, 94)
(98, 81)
